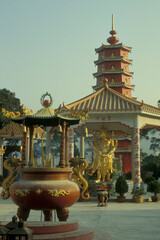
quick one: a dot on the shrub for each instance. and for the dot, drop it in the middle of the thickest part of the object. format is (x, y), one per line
(121, 186)
(154, 187)
(149, 179)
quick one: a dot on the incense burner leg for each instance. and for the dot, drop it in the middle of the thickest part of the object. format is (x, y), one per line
(62, 214)
(23, 213)
(47, 215)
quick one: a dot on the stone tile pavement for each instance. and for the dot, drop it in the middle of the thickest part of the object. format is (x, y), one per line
(123, 221)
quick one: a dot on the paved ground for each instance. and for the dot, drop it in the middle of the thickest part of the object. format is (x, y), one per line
(123, 221)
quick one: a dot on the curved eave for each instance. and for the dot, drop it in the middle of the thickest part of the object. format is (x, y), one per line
(150, 110)
(121, 85)
(111, 85)
(45, 121)
(108, 46)
(110, 59)
(121, 71)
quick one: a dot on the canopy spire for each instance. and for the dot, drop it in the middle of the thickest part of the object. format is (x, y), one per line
(113, 40)
(112, 22)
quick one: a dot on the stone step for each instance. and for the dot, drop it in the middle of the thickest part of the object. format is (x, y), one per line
(52, 227)
(83, 233)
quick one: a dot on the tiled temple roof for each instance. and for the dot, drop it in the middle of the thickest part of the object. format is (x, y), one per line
(112, 59)
(108, 100)
(115, 71)
(15, 130)
(119, 45)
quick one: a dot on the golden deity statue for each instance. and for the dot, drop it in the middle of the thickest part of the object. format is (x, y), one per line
(104, 149)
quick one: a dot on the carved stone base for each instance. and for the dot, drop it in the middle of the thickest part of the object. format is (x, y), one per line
(62, 214)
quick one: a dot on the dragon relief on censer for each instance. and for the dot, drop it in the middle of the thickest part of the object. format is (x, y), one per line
(11, 165)
(79, 166)
(104, 163)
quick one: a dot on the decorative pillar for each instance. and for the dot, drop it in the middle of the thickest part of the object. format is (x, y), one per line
(27, 154)
(1, 157)
(70, 142)
(82, 146)
(67, 144)
(48, 146)
(62, 154)
(136, 154)
(31, 130)
(24, 147)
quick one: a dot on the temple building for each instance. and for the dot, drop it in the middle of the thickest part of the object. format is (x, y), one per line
(112, 107)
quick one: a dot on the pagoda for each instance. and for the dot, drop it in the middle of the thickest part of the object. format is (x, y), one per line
(113, 64)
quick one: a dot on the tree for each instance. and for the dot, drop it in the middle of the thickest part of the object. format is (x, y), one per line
(151, 163)
(155, 144)
(8, 101)
(56, 140)
(76, 149)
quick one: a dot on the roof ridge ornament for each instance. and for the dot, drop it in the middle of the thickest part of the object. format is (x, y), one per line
(105, 83)
(113, 40)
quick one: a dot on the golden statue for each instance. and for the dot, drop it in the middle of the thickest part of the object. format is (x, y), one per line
(104, 149)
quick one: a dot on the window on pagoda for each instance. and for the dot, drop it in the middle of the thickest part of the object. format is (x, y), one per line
(112, 67)
(124, 68)
(112, 80)
(126, 80)
(124, 55)
(112, 54)
(127, 94)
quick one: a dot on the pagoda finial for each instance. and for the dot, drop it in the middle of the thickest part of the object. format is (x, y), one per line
(112, 22)
(113, 40)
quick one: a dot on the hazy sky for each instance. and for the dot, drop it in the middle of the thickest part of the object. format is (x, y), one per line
(49, 45)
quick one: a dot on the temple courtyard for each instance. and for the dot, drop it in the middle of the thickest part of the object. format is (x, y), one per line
(123, 221)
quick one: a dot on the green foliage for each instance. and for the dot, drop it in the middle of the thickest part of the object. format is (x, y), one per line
(56, 141)
(145, 132)
(151, 164)
(143, 155)
(149, 179)
(138, 191)
(76, 149)
(121, 186)
(56, 145)
(155, 144)
(8, 101)
(154, 186)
